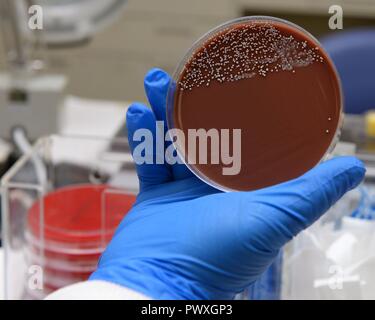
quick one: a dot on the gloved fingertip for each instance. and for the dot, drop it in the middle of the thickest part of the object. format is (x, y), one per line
(352, 166)
(135, 111)
(359, 171)
(138, 116)
(156, 85)
(135, 108)
(156, 77)
(350, 161)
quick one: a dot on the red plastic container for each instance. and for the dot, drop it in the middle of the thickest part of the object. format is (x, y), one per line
(69, 237)
(79, 215)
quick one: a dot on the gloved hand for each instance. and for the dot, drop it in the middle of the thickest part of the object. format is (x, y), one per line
(185, 240)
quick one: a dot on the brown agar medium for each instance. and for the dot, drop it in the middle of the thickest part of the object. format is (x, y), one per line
(272, 80)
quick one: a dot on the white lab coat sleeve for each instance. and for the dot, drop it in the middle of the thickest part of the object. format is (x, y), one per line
(96, 290)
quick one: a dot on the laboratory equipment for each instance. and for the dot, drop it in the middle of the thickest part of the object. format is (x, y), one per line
(78, 221)
(27, 97)
(60, 209)
(334, 259)
(67, 22)
(31, 98)
(264, 83)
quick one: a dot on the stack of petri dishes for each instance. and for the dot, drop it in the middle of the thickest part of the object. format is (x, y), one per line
(67, 231)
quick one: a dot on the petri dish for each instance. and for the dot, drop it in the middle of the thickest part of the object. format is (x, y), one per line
(69, 238)
(270, 93)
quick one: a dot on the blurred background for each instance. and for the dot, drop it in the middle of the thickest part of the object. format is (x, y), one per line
(64, 91)
(112, 63)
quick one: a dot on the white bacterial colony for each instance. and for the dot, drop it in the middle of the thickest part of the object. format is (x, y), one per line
(246, 51)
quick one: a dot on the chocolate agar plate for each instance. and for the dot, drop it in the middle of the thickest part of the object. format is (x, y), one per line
(271, 80)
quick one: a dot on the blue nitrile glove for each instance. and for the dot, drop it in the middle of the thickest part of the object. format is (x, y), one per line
(185, 240)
